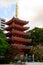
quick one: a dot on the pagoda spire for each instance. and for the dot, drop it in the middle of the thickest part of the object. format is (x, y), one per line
(16, 14)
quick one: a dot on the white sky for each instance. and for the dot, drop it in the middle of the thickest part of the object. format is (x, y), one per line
(30, 10)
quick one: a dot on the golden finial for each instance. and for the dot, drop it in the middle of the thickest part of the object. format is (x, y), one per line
(16, 15)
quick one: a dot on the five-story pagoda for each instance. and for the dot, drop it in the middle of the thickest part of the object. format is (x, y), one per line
(16, 34)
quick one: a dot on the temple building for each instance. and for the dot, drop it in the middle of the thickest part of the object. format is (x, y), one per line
(2, 25)
(16, 33)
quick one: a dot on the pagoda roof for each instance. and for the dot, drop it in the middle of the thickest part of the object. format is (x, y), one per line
(15, 32)
(22, 46)
(17, 21)
(20, 39)
(18, 27)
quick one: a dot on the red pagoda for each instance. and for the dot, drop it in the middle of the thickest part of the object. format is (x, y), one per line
(16, 34)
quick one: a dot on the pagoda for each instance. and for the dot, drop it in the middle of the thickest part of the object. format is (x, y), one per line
(16, 33)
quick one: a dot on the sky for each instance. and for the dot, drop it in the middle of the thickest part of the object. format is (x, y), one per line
(29, 10)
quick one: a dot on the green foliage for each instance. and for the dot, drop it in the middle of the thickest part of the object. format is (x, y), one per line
(3, 43)
(37, 43)
(36, 36)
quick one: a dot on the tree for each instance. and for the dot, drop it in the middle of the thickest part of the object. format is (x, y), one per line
(36, 36)
(37, 43)
(3, 44)
(38, 53)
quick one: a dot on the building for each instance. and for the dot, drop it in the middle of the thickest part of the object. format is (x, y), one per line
(2, 25)
(17, 35)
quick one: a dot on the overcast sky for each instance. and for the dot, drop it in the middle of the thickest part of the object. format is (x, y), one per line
(29, 10)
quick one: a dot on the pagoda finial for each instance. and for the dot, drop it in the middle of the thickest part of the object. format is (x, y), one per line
(16, 14)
